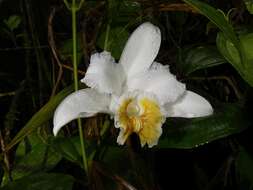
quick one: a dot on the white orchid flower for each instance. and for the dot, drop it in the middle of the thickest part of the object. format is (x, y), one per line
(138, 92)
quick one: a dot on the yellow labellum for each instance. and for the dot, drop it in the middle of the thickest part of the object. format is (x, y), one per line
(142, 116)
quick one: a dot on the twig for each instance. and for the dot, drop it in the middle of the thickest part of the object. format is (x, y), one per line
(71, 69)
(117, 178)
(229, 81)
(53, 49)
(7, 94)
(5, 156)
(84, 46)
(177, 7)
(24, 48)
(88, 43)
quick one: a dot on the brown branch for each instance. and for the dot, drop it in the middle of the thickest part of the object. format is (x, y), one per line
(24, 48)
(5, 156)
(117, 178)
(177, 7)
(7, 94)
(229, 81)
(54, 50)
(71, 69)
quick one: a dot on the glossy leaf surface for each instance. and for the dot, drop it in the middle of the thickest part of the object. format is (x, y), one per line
(185, 133)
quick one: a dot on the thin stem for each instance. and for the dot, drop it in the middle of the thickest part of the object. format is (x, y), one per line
(75, 71)
(71, 69)
(107, 36)
(7, 94)
(67, 4)
(80, 5)
(73, 10)
(54, 51)
(84, 156)
(229, 81)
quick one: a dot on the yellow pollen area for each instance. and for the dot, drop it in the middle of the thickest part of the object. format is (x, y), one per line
(143, 117)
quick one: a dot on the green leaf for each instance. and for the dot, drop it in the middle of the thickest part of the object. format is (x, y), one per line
(42, 116)
(70, 148)
(244, 167)
(247, 43)
(218, 18)
(249, 5)
(200, 57)
(67, 148)
(40, 158)
(228, 50)
(116, 41)
(233, 48)
(13, 22)
(190, 133)
(42, 181)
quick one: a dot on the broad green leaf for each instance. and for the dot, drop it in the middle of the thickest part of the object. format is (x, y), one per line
(190, 133)
(42, 181)
(70, 148)
(116, 41)
(233, 48)
(244, 167)
(249, 5)
(247, 43)
(13, 22)
(200, 57)
(40, 158)
(42, 116)
(218, 18)
(67, 149)
(228, 50)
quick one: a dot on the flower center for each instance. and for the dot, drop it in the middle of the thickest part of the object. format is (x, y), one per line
(133, 109)
(142, 116)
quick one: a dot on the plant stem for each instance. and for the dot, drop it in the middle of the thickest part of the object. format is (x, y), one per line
(107, 37)
(75, 71)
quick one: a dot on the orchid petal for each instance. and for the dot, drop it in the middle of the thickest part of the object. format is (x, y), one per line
(141, 49)
(151, 135)
(82, 103)
(104, 74)
(159, 81)
(189, 105)
(123, 135)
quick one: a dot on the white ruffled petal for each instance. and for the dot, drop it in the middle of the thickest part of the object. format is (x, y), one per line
(141, 49)
(189, 105)
(83, 103)
(104, 74)
(159, 81)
